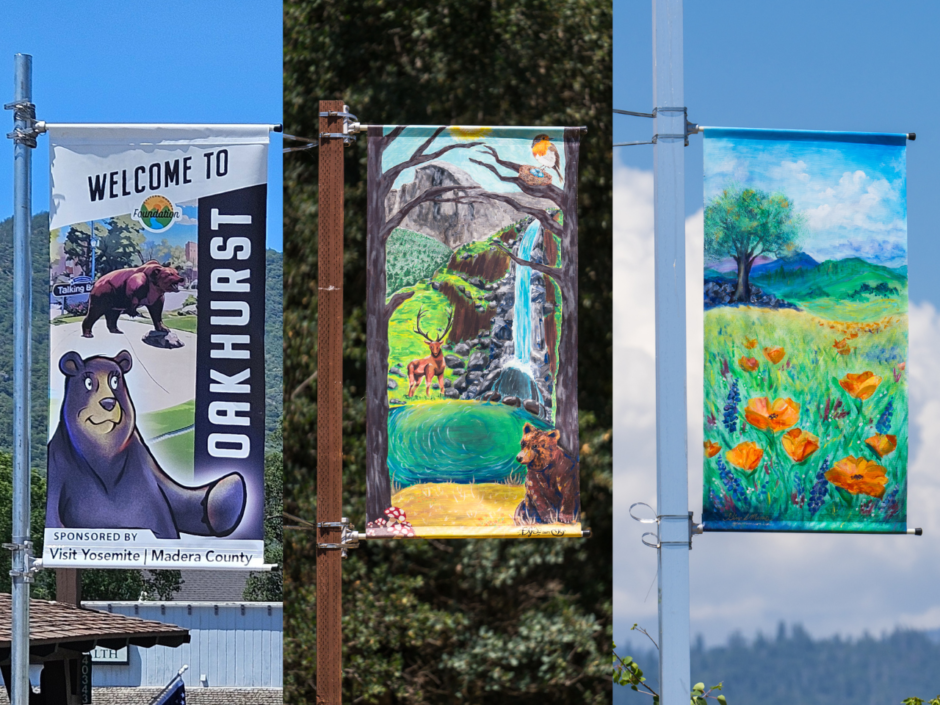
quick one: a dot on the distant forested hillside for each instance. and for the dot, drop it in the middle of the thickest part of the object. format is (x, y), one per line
(40, 342)
(791, 667)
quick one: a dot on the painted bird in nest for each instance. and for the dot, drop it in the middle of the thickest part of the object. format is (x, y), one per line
(545, 153)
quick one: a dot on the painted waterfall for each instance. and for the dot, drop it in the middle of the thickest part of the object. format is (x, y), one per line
(472, 332)
(806, 332)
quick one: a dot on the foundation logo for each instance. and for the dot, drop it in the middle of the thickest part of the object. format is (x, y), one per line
(157, 214)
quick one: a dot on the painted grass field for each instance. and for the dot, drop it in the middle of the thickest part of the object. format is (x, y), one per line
(459, 504)
(454, 510)
(805, 420)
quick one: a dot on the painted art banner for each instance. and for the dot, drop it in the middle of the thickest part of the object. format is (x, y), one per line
(156, 346)
(806, 331)
(472, 416)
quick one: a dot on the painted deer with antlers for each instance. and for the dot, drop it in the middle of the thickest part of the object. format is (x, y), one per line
(432, 366)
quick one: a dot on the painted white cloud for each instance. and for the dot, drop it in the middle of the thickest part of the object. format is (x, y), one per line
(749, 582)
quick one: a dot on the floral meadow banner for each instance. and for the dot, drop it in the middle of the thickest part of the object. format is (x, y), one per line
(806, 331)
(472, 263)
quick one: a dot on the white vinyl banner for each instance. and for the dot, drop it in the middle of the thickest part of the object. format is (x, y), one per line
(156, 384)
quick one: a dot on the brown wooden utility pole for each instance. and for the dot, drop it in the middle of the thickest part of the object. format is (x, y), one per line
(330, 408)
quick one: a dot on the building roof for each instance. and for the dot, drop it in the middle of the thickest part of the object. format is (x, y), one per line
(55, 625)
(212, 586)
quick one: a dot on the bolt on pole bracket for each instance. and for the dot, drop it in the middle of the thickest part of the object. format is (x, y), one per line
(35, 564)
(693, 527)
(351, 127)
(25, 111)
(690, 127)
(349, 537)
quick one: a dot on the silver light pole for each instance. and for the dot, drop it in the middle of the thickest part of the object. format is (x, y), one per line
(24, 139)
(671, 453)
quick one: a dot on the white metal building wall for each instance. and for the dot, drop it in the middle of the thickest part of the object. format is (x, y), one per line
(235, 645)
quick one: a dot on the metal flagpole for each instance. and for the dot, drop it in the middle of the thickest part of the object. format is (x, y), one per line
(672, 498)
(24, 139)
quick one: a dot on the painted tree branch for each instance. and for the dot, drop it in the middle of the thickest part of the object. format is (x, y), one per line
(397, 299)
(426, 196)
(553, 272)
(551, 192)
(547, 221)
(419, 157)
(528, 189)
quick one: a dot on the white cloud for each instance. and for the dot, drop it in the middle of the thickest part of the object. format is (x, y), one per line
(789, 169)
(830, 583)
(857, 202)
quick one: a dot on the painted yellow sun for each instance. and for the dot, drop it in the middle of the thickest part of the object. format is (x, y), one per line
(468, 134)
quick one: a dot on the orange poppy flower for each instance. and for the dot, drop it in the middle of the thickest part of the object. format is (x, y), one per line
(750, 343)
(799, 444)
(853, 336)
(882, 444)
(902, 365)
(775, 355)
(859, 476)
(860, 386)
(711, 449)
(745, 455)
(840, 343)
(748, 364)
(845, 351)
(778, 416)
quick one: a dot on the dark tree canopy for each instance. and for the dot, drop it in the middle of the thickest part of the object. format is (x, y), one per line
(744, 224)
(494, 621)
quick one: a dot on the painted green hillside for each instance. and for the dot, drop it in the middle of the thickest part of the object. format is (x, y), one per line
(871, 290)
(411, 257)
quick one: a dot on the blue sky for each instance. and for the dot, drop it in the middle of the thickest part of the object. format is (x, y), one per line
(852, 196)
(512, 144)
(173, 61)
(862, 66)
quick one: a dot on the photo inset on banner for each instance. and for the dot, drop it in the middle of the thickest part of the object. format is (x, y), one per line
(472, 332)
(156, 310)
(806, 331)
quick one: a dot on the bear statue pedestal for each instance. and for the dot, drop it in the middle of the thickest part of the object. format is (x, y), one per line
(163, 339)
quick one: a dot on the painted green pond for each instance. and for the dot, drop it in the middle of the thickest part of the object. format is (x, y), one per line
(455, 441)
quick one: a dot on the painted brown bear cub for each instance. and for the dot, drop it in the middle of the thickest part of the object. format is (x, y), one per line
(124, 290)
(103, 476)
(552, 492)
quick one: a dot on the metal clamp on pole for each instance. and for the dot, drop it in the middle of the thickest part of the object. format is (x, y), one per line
(26, 132)
(691, 528)
(34, 565)
(690, 127)
(349, 537)
(351, 127)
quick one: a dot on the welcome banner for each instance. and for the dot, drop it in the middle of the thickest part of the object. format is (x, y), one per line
(806, 331)
(472, 332)
(156, 309)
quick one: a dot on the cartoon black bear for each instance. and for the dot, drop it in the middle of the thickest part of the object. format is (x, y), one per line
(103, 476)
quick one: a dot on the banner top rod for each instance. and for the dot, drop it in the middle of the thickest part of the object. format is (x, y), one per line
(44, 126)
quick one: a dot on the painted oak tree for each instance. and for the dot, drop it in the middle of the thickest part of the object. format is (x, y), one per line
(744, 224)
(379, 312)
